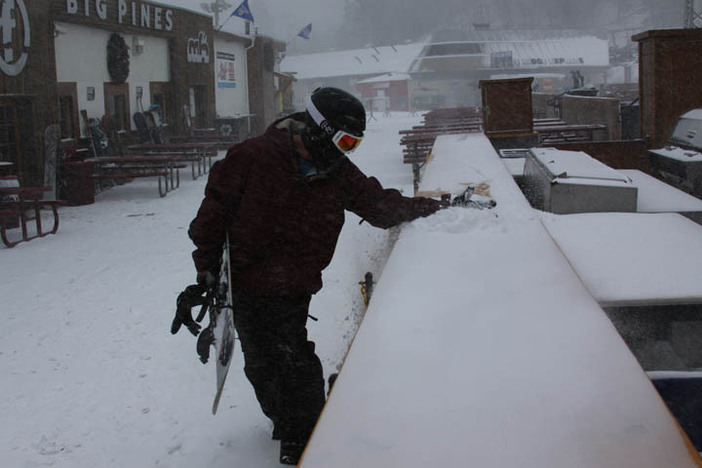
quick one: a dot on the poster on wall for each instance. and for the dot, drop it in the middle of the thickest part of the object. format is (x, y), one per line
(225, 70)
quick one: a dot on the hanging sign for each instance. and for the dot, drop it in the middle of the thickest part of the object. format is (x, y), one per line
(15, 35)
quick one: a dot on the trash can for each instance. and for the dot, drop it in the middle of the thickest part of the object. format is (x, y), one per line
(78, 186)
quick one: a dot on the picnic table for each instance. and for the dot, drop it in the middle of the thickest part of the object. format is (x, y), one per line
(19, 206)
(165, 168)
(220, 142)
(198, 154)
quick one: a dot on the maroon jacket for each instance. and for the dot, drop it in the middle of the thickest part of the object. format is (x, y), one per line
(283, 229)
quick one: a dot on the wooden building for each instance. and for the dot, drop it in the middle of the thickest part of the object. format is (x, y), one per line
(27, 86)
(116, 58)
(104, 57)
(389, 92)
(669, 81)
(264, 82)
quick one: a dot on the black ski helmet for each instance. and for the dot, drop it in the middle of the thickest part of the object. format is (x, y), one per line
(339, 109)
(330, 110)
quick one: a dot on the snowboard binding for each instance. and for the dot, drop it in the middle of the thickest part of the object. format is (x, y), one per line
(193, 296)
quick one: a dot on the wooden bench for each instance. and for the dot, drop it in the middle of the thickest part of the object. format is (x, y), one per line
(21, 205)
(562, 133)
(419, 140)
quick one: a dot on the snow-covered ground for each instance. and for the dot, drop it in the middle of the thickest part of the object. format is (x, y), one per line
(92, 377)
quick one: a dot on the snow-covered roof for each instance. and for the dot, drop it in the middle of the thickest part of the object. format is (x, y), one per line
(387, 77)
(693, 114)
(356, 62)
(527, 49)
(503, 76)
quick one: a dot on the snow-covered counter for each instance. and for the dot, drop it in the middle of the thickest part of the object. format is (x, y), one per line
(481, 347)
(630, 259)
(655, 196)
(679, 166)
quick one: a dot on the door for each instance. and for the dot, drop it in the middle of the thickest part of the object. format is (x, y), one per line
(10, 138)
(117, 105)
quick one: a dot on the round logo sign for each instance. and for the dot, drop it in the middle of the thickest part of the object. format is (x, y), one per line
(15, 36)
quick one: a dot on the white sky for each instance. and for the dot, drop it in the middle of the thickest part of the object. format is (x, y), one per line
(281, 19)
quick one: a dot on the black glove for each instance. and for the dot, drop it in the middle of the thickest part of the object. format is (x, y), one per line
(206, 279)
(194, 295)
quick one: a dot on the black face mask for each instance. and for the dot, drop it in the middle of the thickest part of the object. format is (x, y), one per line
(325, 155)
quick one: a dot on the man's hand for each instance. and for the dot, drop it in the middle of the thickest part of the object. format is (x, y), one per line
(206, 279)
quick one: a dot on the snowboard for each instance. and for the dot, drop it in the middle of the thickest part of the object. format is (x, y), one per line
(88, 133)
(141, 126)
(222, 318)
(51, 150)
(100, 141)
(154, 133)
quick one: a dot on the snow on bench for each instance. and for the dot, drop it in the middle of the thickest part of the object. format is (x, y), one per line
(481, 347)
(628, 259)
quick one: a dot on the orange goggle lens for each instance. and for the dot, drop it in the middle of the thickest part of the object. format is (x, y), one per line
(346, 142)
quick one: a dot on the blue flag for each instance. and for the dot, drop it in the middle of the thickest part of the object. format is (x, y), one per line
(243, 11)
(305, 32)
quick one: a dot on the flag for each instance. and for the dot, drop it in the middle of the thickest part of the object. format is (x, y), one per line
(305, 32)
(243, 11)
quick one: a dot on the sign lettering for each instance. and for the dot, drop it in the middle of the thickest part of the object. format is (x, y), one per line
(198, 49)
(141, 14)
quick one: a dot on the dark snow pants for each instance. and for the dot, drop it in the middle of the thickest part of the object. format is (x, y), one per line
(280, 363)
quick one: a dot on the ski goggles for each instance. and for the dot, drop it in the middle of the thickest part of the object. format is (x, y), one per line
(344, 141)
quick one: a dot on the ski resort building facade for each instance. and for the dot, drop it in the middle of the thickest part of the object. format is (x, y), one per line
(445, 70)
(154, 55)
(64, 61)
(448, 69)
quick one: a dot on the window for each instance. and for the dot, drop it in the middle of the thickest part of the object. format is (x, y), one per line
(501, 59)
(160, 97)
(68, 110)
(455, 48)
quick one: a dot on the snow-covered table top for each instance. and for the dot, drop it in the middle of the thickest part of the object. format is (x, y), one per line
(630, 258)
(677, 153)
(577, 167)
(655, 196)
(481, 347)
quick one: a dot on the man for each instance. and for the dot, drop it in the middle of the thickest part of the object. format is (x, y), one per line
(281, 197)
